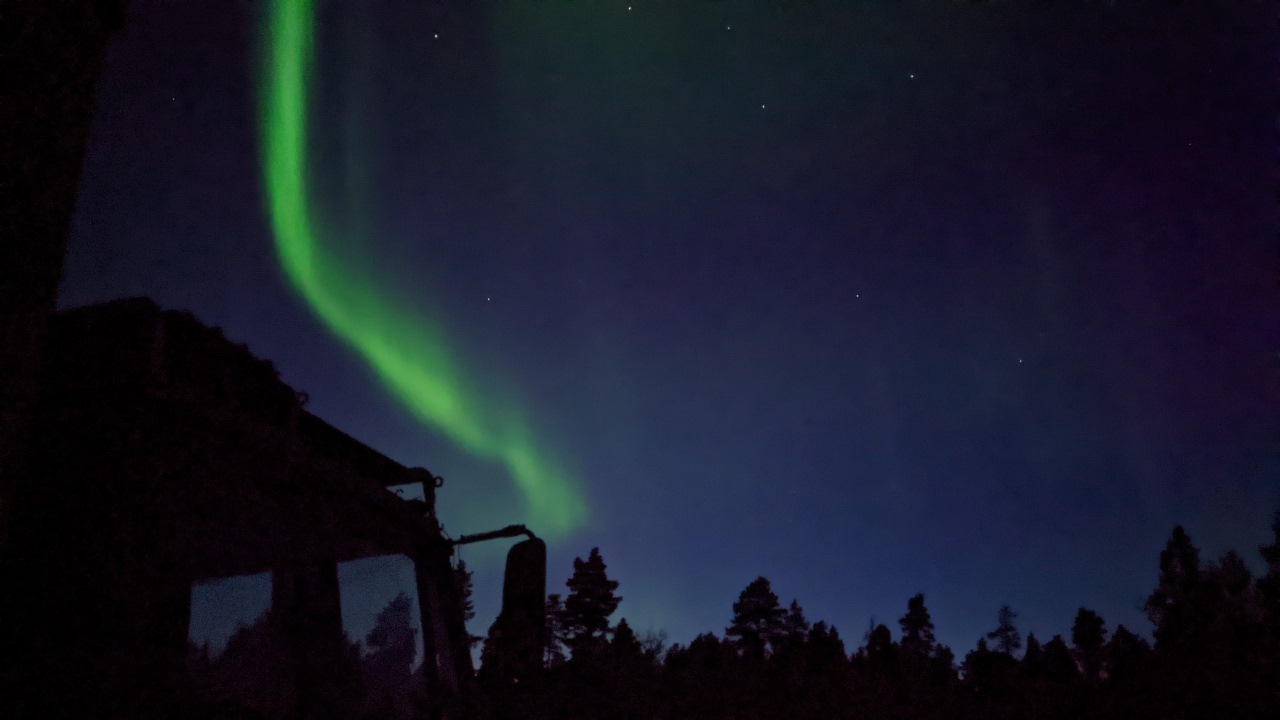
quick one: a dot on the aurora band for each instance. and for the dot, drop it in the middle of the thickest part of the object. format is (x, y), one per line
(408, 352)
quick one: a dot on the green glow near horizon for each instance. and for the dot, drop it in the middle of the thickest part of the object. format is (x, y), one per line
(408, 352)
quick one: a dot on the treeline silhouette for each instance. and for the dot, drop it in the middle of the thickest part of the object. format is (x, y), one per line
(1215, 654)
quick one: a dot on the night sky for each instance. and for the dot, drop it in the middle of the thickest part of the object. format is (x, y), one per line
(870, 298)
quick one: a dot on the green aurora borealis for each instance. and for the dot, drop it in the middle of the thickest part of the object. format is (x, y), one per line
(408, 351)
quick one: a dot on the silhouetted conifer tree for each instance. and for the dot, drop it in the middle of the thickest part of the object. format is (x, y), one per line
(1058, 665)
(1006, 637)
(592, 599)
(628, 677)
(625, 644)
(928, 668)
(495, 667)
(991, 682)
(1170, 605)
(1183, 623)
(826, 650)
(1232, 641)
(757, 619)
(1089, 636)
(1033, 658)
(794, 625)
(1126, 654)
(917, 629)
(1057, 692)
(820, 688)
(786, 678)
(789, 654)
(462, 581)
(876, 677)
(555, 649)
(880, 649)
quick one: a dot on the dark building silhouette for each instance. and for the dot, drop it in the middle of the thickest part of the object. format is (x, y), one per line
(53, 52)
(164, 454)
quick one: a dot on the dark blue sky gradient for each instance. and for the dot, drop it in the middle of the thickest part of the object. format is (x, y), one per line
(869, 298)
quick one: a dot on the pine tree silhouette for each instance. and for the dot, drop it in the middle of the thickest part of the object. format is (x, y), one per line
(592, 599)
(1006, 636)
(757, 619)
(1089, 635)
